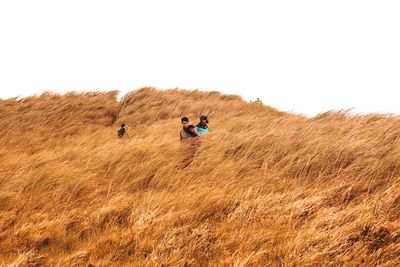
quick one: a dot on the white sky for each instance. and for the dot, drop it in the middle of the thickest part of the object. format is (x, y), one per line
(300, 56)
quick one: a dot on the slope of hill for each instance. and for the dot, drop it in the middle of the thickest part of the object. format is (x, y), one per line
(262, 188)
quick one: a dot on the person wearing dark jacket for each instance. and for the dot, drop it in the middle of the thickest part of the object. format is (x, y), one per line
(123, 130)
(188, 130)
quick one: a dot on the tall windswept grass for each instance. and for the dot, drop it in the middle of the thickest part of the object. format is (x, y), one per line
(263, 188)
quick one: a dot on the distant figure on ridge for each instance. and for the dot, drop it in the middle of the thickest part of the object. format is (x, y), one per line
(202, 126)
(123, 130)
(188, 130)
(258, 101)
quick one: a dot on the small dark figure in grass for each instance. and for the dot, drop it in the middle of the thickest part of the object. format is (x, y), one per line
(123, 130)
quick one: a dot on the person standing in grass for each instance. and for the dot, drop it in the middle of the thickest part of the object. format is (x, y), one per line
(202, 126)
(123, 130)
(188, 130)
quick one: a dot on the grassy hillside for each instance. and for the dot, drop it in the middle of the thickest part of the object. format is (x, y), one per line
(262, 188)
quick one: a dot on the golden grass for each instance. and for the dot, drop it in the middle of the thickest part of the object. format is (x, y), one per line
(263, 188)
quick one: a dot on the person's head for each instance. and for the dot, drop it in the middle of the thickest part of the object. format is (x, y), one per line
(185, 122)
(203, 119)
(123, 125)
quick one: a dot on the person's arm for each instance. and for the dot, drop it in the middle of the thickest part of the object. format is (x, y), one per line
(195, 131)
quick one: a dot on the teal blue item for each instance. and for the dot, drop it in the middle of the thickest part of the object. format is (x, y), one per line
(201, 130)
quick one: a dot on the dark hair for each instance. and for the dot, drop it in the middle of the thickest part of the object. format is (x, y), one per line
(123, 125)
(203, 117)
(184, 119)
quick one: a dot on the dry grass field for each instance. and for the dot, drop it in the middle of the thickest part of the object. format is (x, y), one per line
(262, 188)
